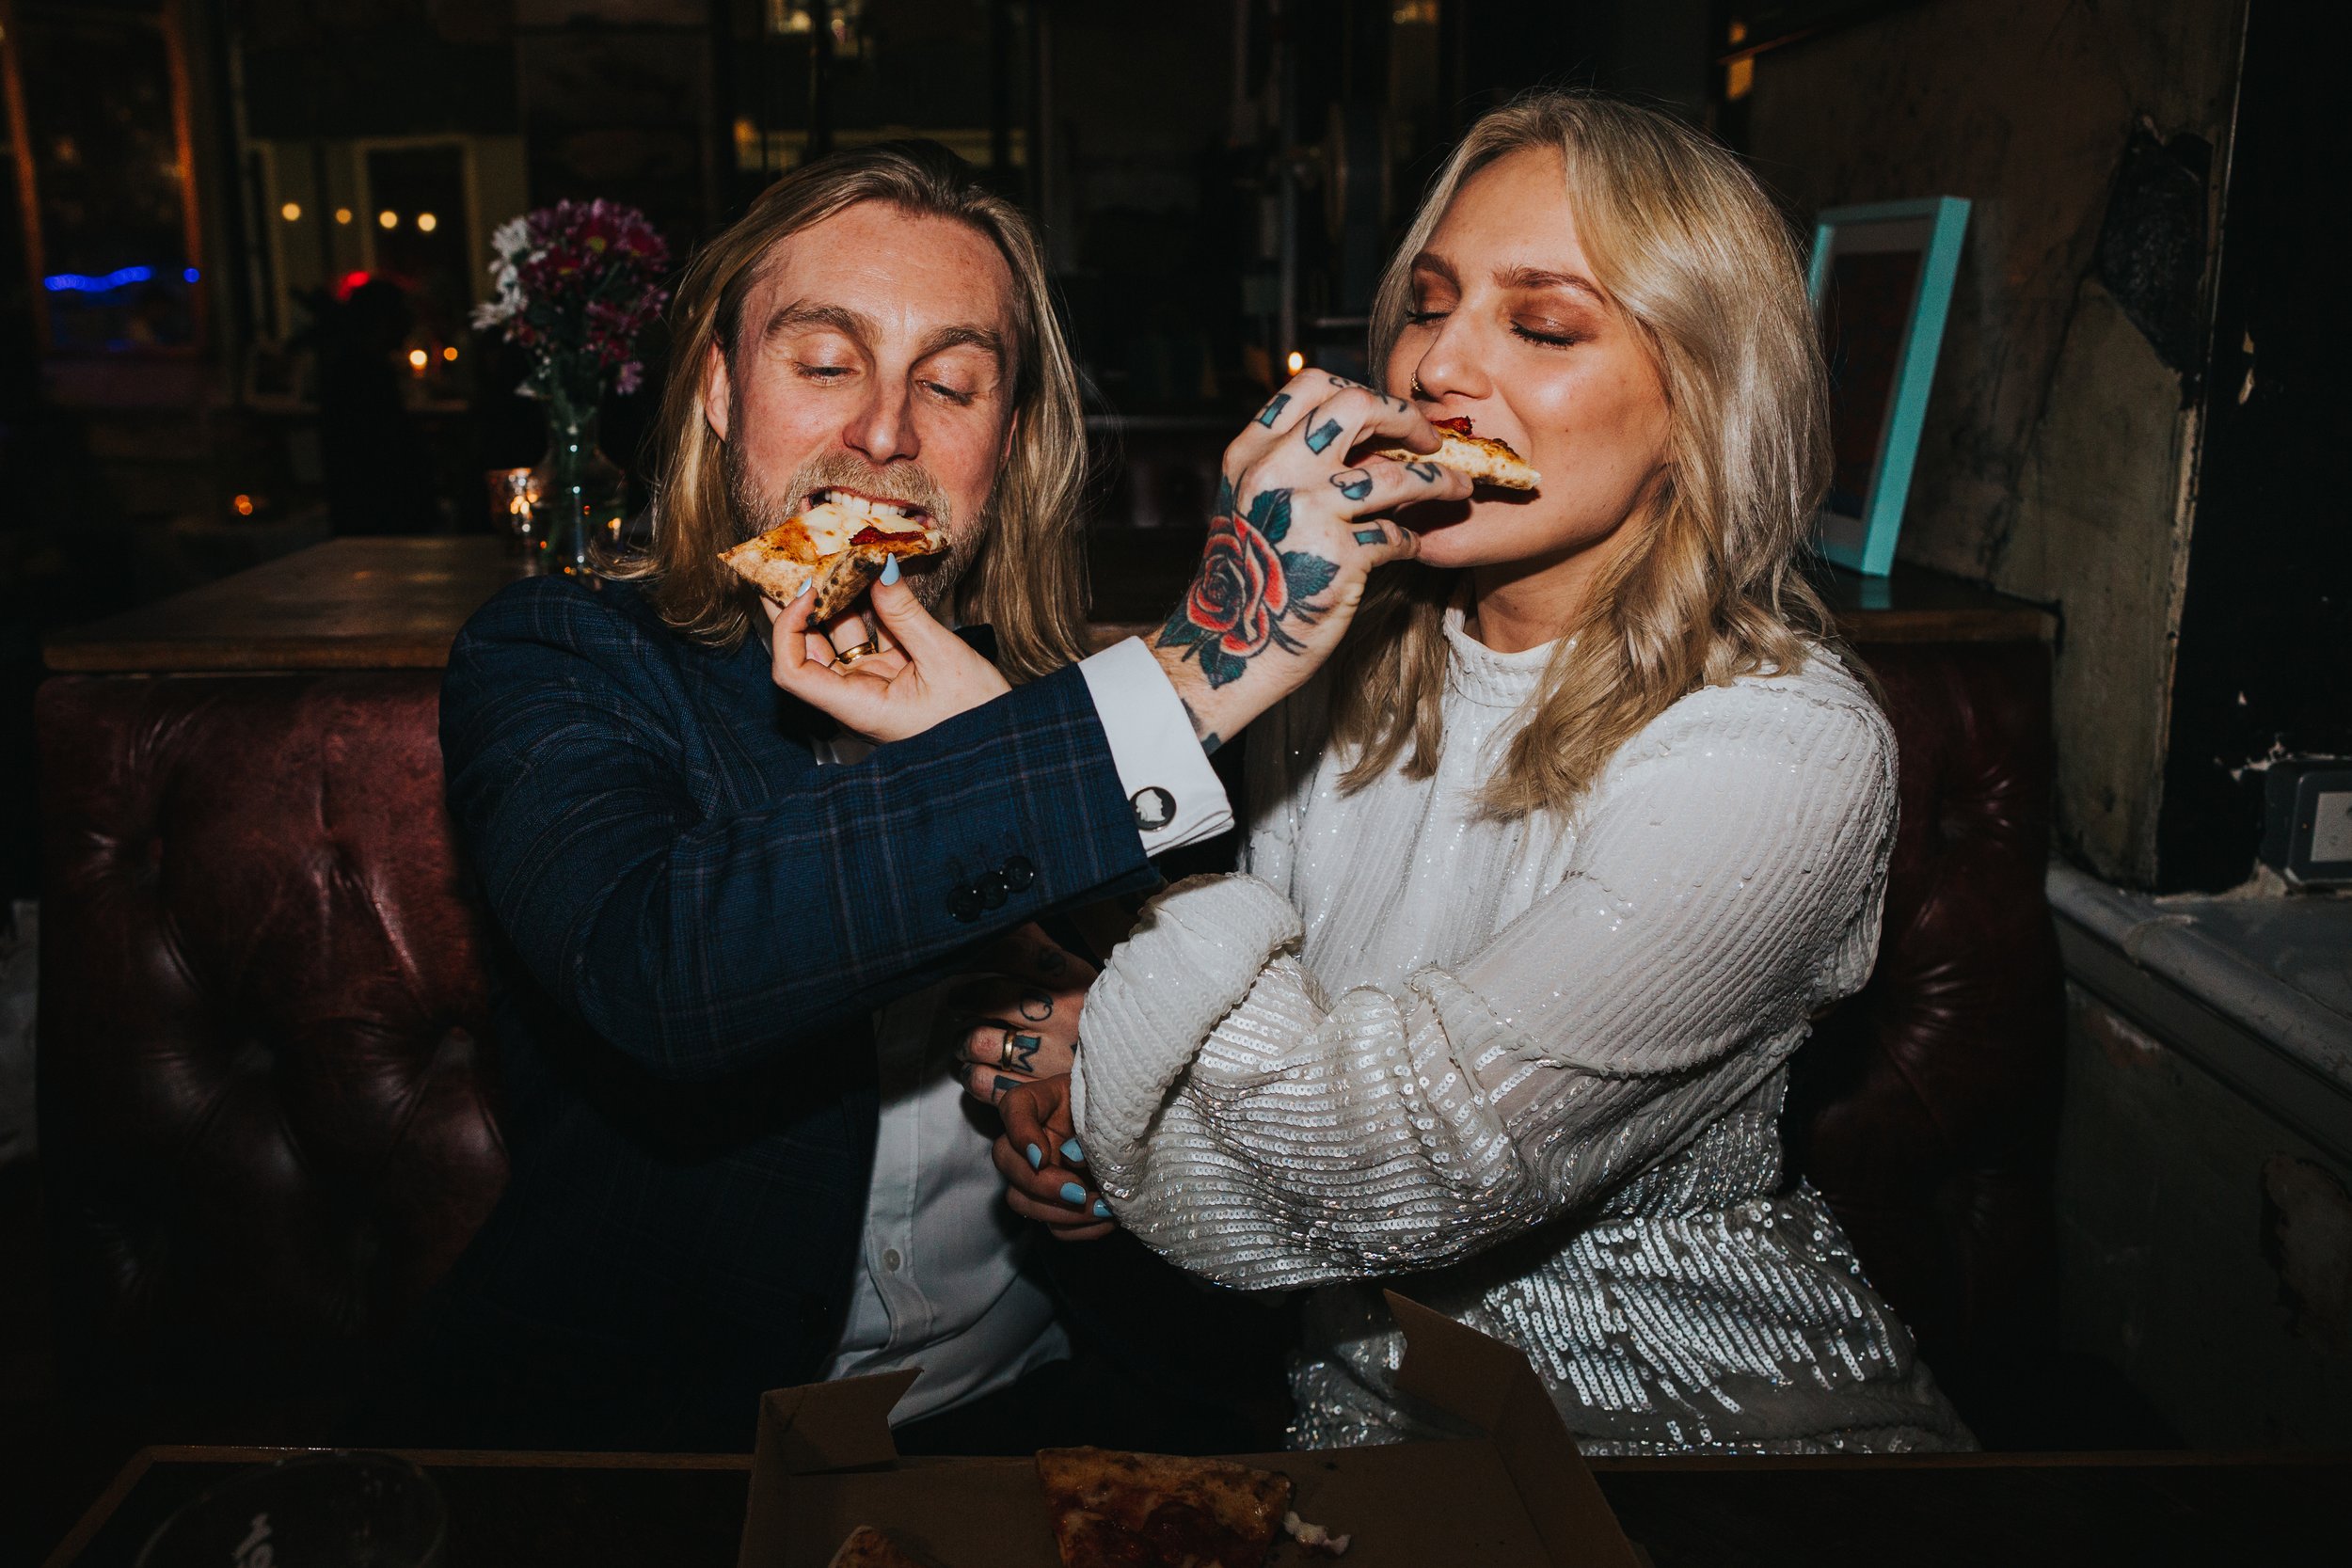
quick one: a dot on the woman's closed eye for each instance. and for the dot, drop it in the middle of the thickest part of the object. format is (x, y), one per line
(825, 373)
(1556, 334)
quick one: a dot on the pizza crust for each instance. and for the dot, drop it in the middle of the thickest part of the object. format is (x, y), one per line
(867, 1548)
(1482, 457)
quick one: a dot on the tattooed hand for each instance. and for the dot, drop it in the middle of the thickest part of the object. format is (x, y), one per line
(1021, 1023)
(1299, 525)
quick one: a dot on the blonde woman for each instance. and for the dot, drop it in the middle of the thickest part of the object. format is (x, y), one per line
(1549, 869)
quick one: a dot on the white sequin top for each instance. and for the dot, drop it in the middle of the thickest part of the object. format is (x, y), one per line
(1536, 1065)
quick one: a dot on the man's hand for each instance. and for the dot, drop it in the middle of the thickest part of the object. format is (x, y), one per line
(1020, 1022)
(1043, 1167)
(1298, 526)
(927, 676)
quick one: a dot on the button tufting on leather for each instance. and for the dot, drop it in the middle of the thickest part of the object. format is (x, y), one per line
(1018, 874)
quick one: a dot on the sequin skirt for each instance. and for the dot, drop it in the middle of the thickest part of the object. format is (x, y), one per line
(1746, 1328)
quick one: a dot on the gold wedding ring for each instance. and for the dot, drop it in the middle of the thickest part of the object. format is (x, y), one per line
(844, 657)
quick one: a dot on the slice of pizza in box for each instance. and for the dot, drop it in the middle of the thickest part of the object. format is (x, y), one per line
(828, 1486)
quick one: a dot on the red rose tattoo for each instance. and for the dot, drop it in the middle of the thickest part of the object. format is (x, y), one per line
(1245, 588)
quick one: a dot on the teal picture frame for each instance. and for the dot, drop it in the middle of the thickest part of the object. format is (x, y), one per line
(1881, 282)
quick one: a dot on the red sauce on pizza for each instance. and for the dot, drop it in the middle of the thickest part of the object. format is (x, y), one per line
(1459, 427)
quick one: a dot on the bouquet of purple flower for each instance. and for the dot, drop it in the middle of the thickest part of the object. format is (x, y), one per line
(577, 283)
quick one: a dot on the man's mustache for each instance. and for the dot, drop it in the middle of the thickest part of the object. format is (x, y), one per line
(901, 485)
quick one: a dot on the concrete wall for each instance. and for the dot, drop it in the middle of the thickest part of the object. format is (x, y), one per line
(2058, 458)
(2205, 1248)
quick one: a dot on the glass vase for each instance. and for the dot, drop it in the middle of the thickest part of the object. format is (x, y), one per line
(582, 495)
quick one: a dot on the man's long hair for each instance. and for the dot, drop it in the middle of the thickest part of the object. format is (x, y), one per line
(1027, 579)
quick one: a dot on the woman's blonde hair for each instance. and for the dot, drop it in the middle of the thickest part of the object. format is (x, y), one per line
(1692, 251)
(1028, 577)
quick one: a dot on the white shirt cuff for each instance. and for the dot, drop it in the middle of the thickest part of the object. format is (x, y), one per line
(1176, 796)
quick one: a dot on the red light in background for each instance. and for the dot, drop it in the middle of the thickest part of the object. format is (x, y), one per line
(350, 282)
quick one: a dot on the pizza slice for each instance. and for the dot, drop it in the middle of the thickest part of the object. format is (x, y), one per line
(1115, 1510)
(840, 544)
(1482, 457)
(868, 1547)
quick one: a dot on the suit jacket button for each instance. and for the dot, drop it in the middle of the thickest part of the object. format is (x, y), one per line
(964, 904)
(1156, 808)
(992, 888)
(1018, 874)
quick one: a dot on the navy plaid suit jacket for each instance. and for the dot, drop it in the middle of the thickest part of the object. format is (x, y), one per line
(693, 922)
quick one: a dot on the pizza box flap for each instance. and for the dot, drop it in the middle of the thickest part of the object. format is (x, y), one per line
(1517, 1494)
(1490, 1385)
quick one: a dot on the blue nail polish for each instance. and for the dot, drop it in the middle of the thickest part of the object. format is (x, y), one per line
(806, 589)
(1036, 1157)
(890, 570)
(1072, 1193)
(1101, 1209)
(1072, 1152)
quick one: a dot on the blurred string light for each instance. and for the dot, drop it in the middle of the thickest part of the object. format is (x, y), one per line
(244, 505)
(426, 222)
(418, 359)
(291, 211)
(342, 215)
(1298, 361)
(450, 353)
(387, 218)
(107, 282)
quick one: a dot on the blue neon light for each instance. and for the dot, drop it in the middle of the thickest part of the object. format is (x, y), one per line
(79, 283)
(191, 274)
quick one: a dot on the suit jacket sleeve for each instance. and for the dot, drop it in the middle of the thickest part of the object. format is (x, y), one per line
(701, 935)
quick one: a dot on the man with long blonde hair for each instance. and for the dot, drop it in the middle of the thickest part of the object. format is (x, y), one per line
(720, 920)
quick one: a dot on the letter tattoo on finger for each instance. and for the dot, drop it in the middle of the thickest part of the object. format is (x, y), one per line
(1273, 411)
(1352, 482)
(1323, 435)
(1377, 535)
(1020, 1053)
(1426, 472)
(1035, 1006)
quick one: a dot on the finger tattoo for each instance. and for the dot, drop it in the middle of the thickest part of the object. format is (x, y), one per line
(1323, 435)
(1004, 1086)
(1273, 411)
(1035, 1006)
(1427, 472)
(1375, 536)
(1352, 482)
(1020, 1054)
(1049, 960)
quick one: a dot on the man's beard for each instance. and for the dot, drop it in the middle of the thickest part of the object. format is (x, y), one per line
(932, 578)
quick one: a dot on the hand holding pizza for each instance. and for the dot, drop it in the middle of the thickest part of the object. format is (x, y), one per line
(927, 674)
(1301, 520)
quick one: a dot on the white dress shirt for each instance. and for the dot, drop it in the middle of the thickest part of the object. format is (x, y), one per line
(940, 1283)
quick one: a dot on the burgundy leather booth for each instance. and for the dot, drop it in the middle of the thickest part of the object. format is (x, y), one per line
(269, 1113)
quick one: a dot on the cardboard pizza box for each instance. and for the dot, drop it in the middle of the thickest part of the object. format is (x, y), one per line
(1512, 1492)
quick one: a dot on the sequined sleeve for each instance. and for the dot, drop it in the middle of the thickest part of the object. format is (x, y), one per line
(1725, 882)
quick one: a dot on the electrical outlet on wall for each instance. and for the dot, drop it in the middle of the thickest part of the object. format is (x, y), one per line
(2307, 820)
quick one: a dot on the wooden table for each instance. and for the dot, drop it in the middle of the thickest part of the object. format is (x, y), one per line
(686, 1510)
(349, 604)
(397, 604)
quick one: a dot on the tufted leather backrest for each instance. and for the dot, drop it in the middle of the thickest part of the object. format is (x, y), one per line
(1924, 1108)
(265, 1124)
